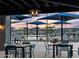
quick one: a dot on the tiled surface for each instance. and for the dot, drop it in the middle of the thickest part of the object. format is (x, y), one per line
(40, 51)
(2, 54)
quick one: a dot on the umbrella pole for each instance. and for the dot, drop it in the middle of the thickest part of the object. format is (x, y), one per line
(62, 29)
(47, 30)
(37, 32)
(27, 29)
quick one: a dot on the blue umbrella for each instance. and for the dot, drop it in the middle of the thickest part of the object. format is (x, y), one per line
(13, 17)
(19, 17)
(63, 17)
(61, 22)
(67, 16)
(22, 17)
(37, 23)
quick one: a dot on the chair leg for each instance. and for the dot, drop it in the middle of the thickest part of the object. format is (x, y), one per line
(59, 53)
(46, 53)
(26, 55)
(33, 54)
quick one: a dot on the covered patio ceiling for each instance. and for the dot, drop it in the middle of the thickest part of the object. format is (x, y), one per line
(10, 7)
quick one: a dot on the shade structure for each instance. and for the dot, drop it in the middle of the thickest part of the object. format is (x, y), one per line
(64, 23)
(48, 21)
(37, 23)
(13, 17)
(61, 22)
(22, 17)
(19, 17)
(58, 16)
(63, 17)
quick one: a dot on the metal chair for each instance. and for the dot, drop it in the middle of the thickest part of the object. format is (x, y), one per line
(27, 52)
(63, 48)
(48, 46)
(11, 50)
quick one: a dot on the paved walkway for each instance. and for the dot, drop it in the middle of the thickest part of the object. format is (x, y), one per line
(40, 51)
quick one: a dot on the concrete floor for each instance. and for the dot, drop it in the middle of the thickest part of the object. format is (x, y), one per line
(40, 51)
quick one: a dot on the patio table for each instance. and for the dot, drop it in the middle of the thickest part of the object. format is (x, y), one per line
(56, 45)
(22, 46)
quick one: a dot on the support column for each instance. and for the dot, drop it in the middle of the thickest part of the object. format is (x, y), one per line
(8, 30)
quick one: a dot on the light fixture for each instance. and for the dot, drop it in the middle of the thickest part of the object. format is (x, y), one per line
(34, 12)
(1, 26)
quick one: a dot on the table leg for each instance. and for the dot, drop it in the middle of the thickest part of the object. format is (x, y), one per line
(69, 51)
(23, 53)
(53, 51)
(30, 52)
(6, 53)
(71, 54)
(15, 53)
(56, 50)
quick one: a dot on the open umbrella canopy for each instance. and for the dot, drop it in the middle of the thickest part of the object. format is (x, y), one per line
(58, 16)
(22, 17)
(13, 17)
(49, 21)
(61, 22)
(37, 23)
(18, 18)
(69, 14)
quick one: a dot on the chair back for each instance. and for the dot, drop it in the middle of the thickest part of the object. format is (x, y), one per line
(64, 48)
(26, 42)
(9, 47)
(65, 41)
(48, 45)
(33, 45)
